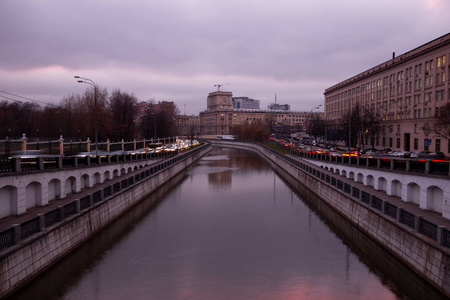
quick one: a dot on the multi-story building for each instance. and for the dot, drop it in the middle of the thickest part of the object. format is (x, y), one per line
(408, 91)
(245, 103)
(276, 106)
(220, 115)
(188, 125)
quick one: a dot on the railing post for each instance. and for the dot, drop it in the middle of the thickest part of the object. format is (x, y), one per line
(17, 233)
(61, 212)
(88, 145)
(91, 200)
(427, 167)
(123, 145)
(408, 165)
(59, 162)
(40, 163)
(41, 221)
(108, 146)
(77, 206)
(417, 223)
(16, 164)
(439, 234)
(391, 167)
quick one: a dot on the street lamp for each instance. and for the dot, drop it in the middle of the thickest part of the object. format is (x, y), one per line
(89, 81)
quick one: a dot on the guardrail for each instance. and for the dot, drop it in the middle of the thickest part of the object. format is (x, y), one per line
(71, 147)
(419, 166)
(34, 225)
(419, 224)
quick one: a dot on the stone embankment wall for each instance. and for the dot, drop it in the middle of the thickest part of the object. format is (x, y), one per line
(427, 258)
(34, 255)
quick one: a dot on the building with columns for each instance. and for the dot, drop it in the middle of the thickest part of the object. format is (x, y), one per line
(408, 91)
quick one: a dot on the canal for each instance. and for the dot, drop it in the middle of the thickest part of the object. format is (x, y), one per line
(228, 228)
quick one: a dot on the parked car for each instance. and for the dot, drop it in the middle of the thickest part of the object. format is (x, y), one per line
(402, 154)
(372, 152)
(385, 150)
(431, 155)
(414, 155)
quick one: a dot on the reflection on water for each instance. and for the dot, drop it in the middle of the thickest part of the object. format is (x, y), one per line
(231, 229)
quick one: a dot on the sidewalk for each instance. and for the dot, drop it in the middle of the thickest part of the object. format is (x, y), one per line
(6, 223)
(431, 216)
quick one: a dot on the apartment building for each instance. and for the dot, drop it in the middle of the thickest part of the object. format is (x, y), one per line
(408, 91)
(188, 125)
(245, 103)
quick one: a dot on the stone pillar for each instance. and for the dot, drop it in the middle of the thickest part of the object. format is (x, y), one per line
(88, 145)
(24, 142)
(61, 145)
(43, 199)
(108, 145)
(19, 207)
(423, 199)
(408, 165)
(122, 145)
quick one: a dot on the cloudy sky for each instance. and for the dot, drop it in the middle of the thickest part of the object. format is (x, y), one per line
(177, 50)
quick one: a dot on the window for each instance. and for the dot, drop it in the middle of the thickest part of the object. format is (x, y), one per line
(390, 142)
(398, 142)
(441, 61)
(416, 128)
(438, 145)
(416, 144)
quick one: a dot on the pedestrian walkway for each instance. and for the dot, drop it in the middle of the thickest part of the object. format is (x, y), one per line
(7, 222)
(410, 207)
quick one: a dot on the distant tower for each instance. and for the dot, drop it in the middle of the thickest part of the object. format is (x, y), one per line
(220, 101)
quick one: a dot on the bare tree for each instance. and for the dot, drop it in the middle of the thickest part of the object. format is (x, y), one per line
(371, 122)
(441, 124)
(351, 124)
(123, 113)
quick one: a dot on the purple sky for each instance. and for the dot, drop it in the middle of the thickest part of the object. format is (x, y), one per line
(177, 50)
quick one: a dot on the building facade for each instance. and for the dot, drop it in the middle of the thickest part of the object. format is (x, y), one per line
(220, 115)
(408, 92)
(245, 103)
(276, 106)
(188, 125)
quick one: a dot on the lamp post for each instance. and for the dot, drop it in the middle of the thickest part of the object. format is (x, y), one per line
(311, 119)
(89, 81)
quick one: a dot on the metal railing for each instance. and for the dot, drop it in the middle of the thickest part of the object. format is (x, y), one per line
(419, 166)
(43, 163)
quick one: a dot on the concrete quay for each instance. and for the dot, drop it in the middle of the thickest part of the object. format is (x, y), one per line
(424, 255)
(24, 261)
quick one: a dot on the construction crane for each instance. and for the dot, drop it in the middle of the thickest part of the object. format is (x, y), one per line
(220, 85)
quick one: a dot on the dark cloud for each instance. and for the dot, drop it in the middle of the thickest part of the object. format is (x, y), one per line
(179, 49)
